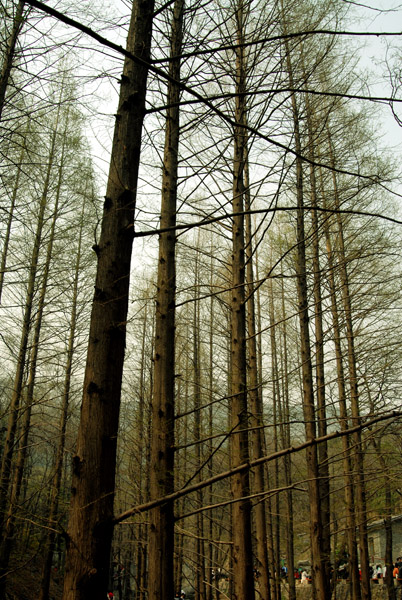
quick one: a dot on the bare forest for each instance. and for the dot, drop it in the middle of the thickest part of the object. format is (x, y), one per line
(200, 299)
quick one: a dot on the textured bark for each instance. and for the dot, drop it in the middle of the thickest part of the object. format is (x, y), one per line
(389, 578)
(276, 402)
(210, 582)
(50, 541)
(320, 582)
(290, 557)
(243, 581)
(90, 527)
(346, 458)
(256, 421)
(319, 369)
(359, 483)
(141, 555)
(161, 538)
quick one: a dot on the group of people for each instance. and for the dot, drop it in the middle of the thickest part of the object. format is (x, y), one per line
(378, 572)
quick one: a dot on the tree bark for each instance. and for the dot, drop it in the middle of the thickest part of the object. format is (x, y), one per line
(90, 526)
(256, 420)
(320, 582)
(319, 352)
(161, 536)
(243, 581)
(290, 557)
(50, 541)
(346, 458)
(359, 484)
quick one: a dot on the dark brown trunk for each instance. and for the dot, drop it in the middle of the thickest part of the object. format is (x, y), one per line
(200, 556)
(50, 541)
(359, 483)
(90, 527)
(290, 558)
(319, 346)
(243, 581)
(161, 534)
(320, 582)
(346, 459)
(255, 409)
(276, 400)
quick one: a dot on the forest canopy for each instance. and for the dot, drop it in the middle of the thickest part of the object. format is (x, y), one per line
(200, 298)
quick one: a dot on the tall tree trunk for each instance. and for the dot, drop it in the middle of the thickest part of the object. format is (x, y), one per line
(211, 581)
(90, 526)
(243, 581)
(389, 577)
(290, 558)
(161, 537)
(346, 457)
(50, 541)
(140, 561)
(319, 352)
(360, 503)
(320, 582)
(255, 406)
(200, 555)
(269, 512)
(276, 401)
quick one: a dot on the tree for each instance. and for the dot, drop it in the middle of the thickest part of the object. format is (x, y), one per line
(92, 497)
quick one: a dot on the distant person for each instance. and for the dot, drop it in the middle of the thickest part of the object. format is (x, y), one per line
(379, 571)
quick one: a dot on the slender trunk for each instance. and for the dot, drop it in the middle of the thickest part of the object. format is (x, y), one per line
(322, 449)
(275, 408)
(161, 542)
(346, 459)
(270, 542)
(255, 408)
(94, 464)
(290, 558)
(243, 581)
(320, 582)
(142, 435)
(210, 432)
(50, 542)
(199, 558)
(360, 503)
